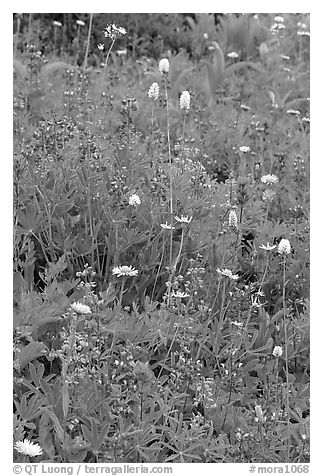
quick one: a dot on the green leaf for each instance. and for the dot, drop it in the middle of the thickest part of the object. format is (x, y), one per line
(31, 352)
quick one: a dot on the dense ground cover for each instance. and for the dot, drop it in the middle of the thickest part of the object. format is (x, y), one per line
(161, 238)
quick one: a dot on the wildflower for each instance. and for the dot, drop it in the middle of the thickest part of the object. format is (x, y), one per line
(244, 107)
(179, 294)
(124, 271)
(233, 219)
(278, 351)
(233, 55)
(167, 227)
(122, 52)
(226, 272)
(153, 91)
(259, 414)
(134, 200)
(143, 372)
(303, 33)
(113, 31)
(164, 66)
(294, 112)
(57, 23)
(279, 19)
(183, 219)
(80, 308)
(267, 247)
(268, 195)
(28, 448)
(285, 57)
(269, 179)
(205, 36)
(80, 23)
(284, 247)
(101, 46)
(244, 148)
(306, 119)
(238, 324)
(184, 100)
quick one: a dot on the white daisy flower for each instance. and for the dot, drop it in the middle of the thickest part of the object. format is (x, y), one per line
(80, 23)
(179, 294)
(269, 179)
(226, 272)
(165, 226)
(183, 219)
(124, 271)
(267, 247)
(80, 308)
(28, 448)
(57, 23)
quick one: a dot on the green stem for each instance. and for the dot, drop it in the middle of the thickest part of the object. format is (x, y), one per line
(286, 356)
(88, 43)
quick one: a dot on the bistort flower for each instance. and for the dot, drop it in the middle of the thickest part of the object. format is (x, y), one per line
(28, 448)
(259, 414)
(183, 219)
(134, 200)
(80, 23)
(226, 272)
(124, 271)
(153, 91)
(233, 219)
(57, 23)
(284, 247)
(278, 351)
(269, 179)
(164, 66)
(184, 100)
(80, 308)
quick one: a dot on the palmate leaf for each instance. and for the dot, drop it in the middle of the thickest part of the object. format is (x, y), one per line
(30, 352)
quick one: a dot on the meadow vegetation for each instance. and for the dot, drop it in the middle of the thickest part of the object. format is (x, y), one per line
(161, 238)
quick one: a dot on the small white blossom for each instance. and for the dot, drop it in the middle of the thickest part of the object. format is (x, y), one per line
(80, 23)
(293, 112)
(179, 294)
(153, 91)
(267, 247)
(279, 19)
(284, 247)
(80, 308)
(244, 107)
(57, 23)
(101, 46)
(303, 33)
(124, 271)
(259, 414)
(244, 148)
(164, 66)
(134, 200)
(112, 31)
(233, 55)
(165, 226)
(122, 52)
(226, 272)
(233, 219)
(28, 448)
(269, 179)
(278, 351)
(185, 100)
(205, 36)
(306, 119)
(268, 195)
(183, 219)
